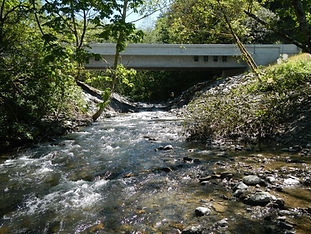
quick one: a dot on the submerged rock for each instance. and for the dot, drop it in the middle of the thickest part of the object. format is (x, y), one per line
(168, 147)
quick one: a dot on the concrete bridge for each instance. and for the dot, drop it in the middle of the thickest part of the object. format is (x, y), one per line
(223, 57)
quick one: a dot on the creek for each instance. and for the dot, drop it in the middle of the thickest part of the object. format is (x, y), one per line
(133, 173)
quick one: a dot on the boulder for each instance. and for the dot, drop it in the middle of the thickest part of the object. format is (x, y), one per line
(240, 186)
(259, 198)
(251, 180)
(291, 181)
(201, 211)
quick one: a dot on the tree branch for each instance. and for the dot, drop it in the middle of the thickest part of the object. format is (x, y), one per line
(245, 54)
(62, 17)
(84, 29)
(147, 15)
(9, 12)
(2, 9)
(280, 33)
(37, 18)
(301, 17)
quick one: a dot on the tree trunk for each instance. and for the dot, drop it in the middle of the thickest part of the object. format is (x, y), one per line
(118, 46)
(116, 60)
(245, 54)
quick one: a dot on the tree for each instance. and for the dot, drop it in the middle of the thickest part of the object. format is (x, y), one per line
(245, 54)
(119, 31)
(11, 13)
(294, 24)
(68, 21)
(35, 80)
(201, 21)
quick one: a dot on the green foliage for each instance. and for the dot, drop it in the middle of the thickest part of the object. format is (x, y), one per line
(35, 81)
(106, 98)
(201, 21)
(36, 77)
(158, 86)
(287, 76)
(255, 109)
(103, 79)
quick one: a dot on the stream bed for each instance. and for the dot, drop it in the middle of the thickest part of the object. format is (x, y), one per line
(136, 173)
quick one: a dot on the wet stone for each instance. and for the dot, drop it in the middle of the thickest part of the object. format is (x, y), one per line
(223, 222)
(193, 229)
(291, 181)
(240, 186)
(251, 180)
(279, 203)
(222, 154)
(286, 225)
(259, 198)
(271, 179)
(201, 211)
(168, 147)
(219, 208)
(227, 175)
(187, 159)
(239, 193)
(281, 218)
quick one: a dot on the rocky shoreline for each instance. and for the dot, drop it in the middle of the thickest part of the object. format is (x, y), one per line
(272, 191)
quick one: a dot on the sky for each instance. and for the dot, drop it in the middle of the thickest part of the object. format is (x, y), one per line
(145, 23)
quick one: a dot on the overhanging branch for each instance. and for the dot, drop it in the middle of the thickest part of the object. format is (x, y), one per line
(280, 33)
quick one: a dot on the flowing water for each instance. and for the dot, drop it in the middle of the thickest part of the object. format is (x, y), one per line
(111, 177)
(108, 176)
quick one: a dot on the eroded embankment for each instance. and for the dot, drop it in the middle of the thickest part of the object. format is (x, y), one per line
(275, 106)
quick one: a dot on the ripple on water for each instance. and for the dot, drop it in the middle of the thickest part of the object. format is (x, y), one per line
(108, 178)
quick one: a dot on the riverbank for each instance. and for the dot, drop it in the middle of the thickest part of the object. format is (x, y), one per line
(135, 172)
(273, 108)
(50, 127)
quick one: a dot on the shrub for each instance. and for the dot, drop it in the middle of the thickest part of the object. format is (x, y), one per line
(35, 81)
(253, 108)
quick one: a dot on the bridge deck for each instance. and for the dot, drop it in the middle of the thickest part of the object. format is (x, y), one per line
(187, 56)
